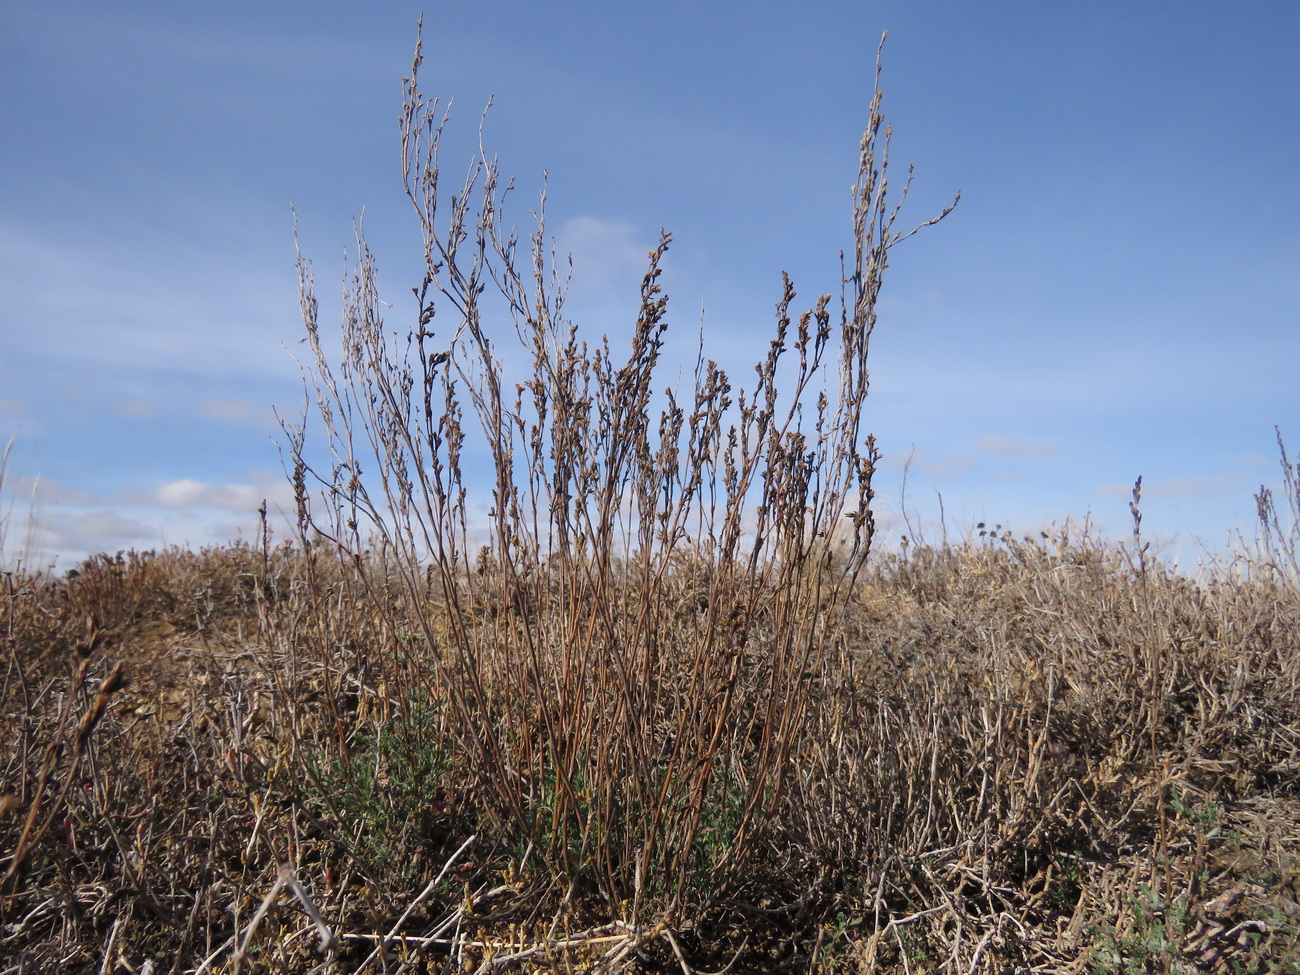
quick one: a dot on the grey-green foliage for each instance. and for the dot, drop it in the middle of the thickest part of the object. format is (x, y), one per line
(388, 793)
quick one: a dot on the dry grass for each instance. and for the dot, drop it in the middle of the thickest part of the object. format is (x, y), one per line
(972, 786)
(666, 714)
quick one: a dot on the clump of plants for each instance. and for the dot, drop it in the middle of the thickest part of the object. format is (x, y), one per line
(630, 653)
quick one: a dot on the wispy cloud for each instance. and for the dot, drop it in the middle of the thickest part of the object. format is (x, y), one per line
(931, 464)
(222, 46)
(997, 443)
(92, 531)
(71, 523)
(1209, 486)
(186, 493)
(236, 411)
(105, 310)
(1253, 460)
(46, 491)
(135, 407)
(609, 259)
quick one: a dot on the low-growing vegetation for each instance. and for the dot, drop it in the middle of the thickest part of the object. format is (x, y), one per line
(665, 709)
(1018, 755)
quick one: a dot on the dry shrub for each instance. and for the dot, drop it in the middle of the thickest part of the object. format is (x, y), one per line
(637, 744)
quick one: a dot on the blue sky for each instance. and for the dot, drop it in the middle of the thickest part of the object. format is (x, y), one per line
(1115, 296)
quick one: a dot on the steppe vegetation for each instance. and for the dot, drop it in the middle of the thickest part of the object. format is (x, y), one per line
(666, 710)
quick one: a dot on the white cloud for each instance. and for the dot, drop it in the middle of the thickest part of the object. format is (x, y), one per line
(187, 493)
(70, 524)
(180, 494)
